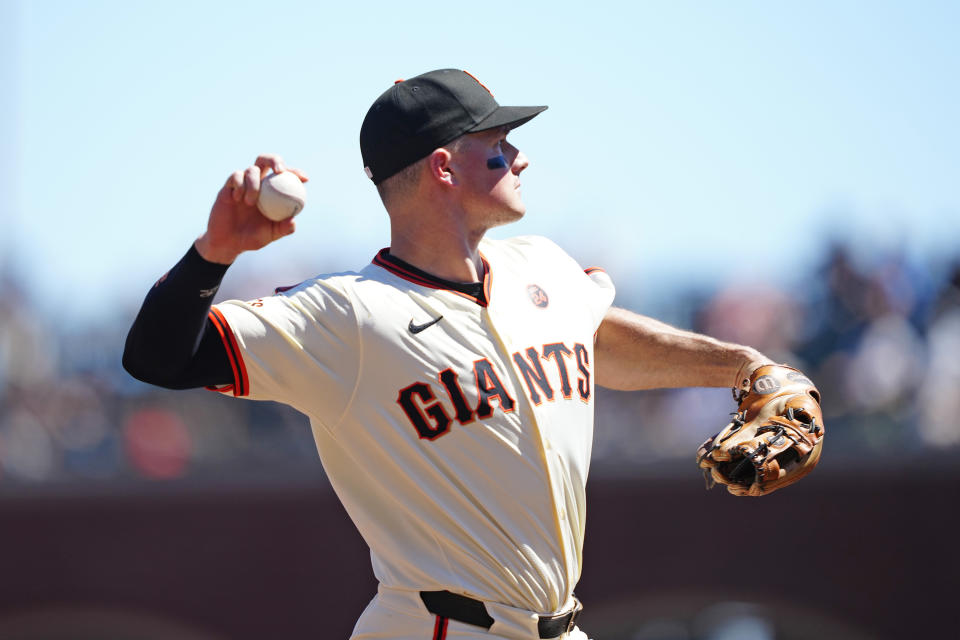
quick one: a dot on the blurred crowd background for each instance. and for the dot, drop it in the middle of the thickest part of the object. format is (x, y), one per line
(667, 121)
(877, 331)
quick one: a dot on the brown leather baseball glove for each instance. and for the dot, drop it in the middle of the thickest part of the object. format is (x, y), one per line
(774, 439)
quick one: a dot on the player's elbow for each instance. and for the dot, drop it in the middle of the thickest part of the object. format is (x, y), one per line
(142, 371)
(147, 367)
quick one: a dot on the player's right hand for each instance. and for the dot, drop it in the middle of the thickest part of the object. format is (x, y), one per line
(235, 224)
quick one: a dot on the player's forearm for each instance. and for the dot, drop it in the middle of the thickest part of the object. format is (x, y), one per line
(636, 352)
(170, 344)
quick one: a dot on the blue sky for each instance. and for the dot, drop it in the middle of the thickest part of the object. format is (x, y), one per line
(685, 141)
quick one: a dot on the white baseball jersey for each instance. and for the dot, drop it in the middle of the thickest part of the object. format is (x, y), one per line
(456, 431)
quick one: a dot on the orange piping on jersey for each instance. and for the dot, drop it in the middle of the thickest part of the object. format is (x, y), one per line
(440, 628)
(403, 273)
(279, 290)
(224, 389)
(240, 381)
(417, 279)
(487, 279)
(590, 270)
(466, 295)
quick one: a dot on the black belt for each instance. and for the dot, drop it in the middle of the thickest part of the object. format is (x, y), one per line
(464, 609)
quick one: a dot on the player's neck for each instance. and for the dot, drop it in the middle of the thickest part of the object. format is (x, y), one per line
(446, 254)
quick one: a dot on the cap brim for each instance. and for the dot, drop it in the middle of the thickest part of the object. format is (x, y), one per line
(507, 117)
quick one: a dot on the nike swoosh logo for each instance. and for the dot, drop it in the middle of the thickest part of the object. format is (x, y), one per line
(417, 328)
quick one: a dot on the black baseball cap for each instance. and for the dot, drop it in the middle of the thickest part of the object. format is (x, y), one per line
(414, 117)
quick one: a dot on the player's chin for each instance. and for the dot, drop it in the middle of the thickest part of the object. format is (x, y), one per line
(511, 215)
(517, 207)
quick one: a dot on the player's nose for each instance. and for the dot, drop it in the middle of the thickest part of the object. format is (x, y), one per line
(520, 163)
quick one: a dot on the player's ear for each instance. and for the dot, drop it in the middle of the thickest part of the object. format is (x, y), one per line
(440, 168)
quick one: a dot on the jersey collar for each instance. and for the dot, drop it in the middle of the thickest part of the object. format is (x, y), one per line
(478, 292)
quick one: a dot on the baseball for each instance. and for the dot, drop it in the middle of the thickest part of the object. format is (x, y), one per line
(282, 196)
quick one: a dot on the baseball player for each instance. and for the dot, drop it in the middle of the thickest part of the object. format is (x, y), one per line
(450, 383)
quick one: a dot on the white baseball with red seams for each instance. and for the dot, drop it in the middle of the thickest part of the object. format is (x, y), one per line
(282, 195)
(460, 449)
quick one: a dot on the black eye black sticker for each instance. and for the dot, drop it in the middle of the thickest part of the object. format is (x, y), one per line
(497, 162)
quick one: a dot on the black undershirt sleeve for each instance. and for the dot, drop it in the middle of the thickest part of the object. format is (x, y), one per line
(172, 343)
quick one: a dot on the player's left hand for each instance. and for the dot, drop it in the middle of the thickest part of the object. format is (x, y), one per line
(774, 439)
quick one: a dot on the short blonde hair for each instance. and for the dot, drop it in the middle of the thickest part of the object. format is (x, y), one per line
(401, 183)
